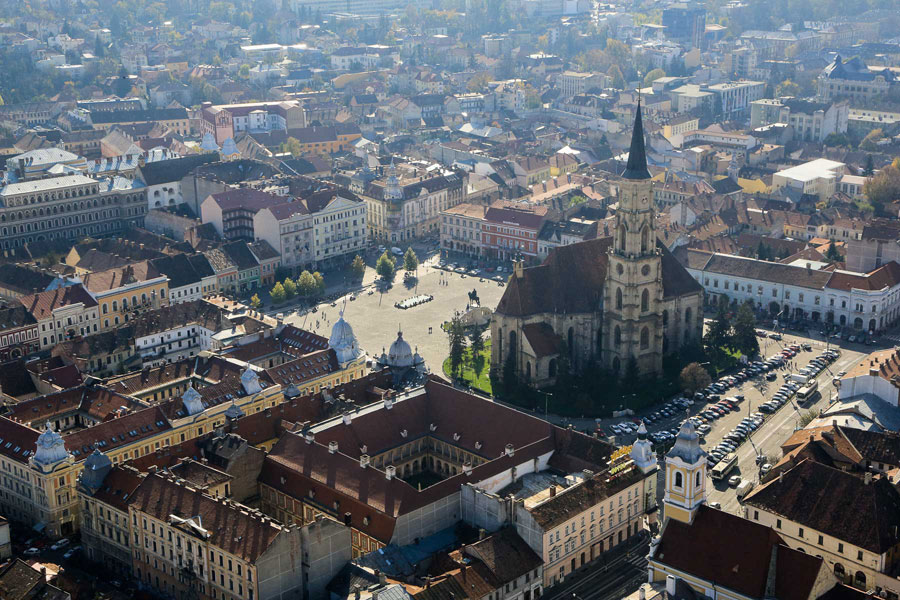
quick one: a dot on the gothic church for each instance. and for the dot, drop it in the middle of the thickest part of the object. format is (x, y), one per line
(604, 300)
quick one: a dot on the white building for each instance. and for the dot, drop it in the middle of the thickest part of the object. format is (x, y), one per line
(818, 177)
(861, 301)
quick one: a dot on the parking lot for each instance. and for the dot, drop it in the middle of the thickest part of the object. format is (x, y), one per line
(765, 426)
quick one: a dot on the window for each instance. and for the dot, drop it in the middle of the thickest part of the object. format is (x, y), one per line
(821, 540)
(778, 524)
(840, 547)
(679, 480)
(800, 532)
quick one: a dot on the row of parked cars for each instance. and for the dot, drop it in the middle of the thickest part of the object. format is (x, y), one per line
(734, 438)
(473, 272)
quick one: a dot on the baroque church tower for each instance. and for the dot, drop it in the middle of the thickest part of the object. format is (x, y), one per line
(633, 294)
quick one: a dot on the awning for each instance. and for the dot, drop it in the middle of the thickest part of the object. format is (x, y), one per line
(39, 527)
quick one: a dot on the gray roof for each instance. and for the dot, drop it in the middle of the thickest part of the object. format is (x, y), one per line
(750, 268)
(687, 445)
(44, 185)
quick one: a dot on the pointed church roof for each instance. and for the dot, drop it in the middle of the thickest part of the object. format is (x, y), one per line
(636, 167)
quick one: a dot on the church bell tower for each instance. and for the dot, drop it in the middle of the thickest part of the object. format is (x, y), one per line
(633, 294)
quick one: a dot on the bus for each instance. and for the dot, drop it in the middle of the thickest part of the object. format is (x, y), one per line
(808, 390)
(721, 470)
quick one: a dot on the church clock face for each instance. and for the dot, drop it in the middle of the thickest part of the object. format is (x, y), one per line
(645, 270)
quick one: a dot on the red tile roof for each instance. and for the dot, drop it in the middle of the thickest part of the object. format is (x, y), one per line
(42, 305)
(232, 529)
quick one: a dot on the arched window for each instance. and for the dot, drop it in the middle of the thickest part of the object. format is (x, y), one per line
(645, 239)
(645, 300)
(839, 571)
(621, 235)
(619, 298)
(687, 315)
(859, 580)
(617, 336)
(697, 479)
(679, 480)
(645, 338)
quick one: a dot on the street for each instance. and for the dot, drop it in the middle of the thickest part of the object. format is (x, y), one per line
(613, 577)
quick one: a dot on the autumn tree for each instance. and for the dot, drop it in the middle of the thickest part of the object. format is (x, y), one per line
(694, 378)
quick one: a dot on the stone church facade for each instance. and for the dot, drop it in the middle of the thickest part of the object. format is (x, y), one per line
(604, 300)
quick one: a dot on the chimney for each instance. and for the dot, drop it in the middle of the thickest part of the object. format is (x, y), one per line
(332, 447)
(481, 534)
(389, 472)
(348, 418)
(382, 578)
(868, 478)
(552, 490)
(463, 570)
(388, 403)
(467, 469)
(356, 592)
(510, 450)
(671, 580)
(364, 460)
(780, 476)
(309, 436)
(873, 372)
(642, 593)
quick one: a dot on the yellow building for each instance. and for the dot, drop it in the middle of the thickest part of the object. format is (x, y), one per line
(123, 290)
(173, 404)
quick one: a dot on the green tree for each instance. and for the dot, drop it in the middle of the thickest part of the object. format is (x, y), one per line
(319, 288)
(292, 146)
(884, 187)
(833, 254)
(744, 331)
(457, 340)
(410, 260)
(718, 338)
(278, 294)
(358, 267)
(693, 378)
(255, 302)
(869, 170)
(617, 77)
(306, 284)
(653, 75)
(385, 266)
(290, 288)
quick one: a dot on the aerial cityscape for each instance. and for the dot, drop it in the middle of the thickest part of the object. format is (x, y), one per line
(449, 300)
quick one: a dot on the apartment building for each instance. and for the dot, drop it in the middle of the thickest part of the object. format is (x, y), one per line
(68, 207)
(63, 313)
(123, 291)
(810, 121)
(511, 229)
(461, 229)
(231, 212)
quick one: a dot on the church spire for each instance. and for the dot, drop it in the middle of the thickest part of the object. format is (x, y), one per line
(636, 168)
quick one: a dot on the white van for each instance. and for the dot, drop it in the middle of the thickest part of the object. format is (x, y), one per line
(744, 488)
(397, 251)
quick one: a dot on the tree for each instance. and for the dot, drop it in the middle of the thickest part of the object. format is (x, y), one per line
(833, 254)
(319, 287)
(884, 187)
(869, 142)
(787, 88)
(476, 337)
(694, 378)
(358, 267)
(653, 75)
(718, 337)
(278, 294)
(292, 146)
(616, 77)
(410, 260)
(385, 266)
(306, 284)
(457, 339)
(869, 170)
(255, 302)
(744, 331)
(290, 288)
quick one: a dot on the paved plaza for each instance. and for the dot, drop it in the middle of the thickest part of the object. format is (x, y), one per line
(375, 320)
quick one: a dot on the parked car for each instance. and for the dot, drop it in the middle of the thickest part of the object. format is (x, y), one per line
(32, 552)
(60, 544)
(734, 480)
